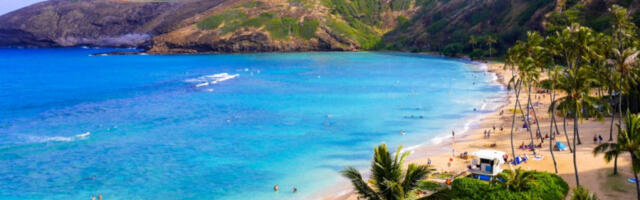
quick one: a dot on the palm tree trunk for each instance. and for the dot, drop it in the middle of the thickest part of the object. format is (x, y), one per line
(613, 114)
(551, 134)
(575, 135)
(564, 124)
(620, 108)
(535, 116)
(555, 123)
(513, 121)
(615, 165)
(526, 121)
(635, 174)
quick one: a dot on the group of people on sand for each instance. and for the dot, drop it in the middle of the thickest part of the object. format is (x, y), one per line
(277, 188)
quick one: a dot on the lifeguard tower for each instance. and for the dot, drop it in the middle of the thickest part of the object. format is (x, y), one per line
(486, 164)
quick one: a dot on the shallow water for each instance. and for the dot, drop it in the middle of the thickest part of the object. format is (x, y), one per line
(175, 127)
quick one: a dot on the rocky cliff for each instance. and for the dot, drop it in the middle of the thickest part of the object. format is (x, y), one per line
(59, 23)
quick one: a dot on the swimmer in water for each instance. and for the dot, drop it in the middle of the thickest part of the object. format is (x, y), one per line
(275, 187)
(295, 190)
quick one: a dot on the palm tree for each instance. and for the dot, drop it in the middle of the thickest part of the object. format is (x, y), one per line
(553, 74)
(581, 193)
(517, 180)
(388, 180)
(576, 83)
(473, 40)
(529, 57)
(540, 59)
(573, 45)
(628, 141)
(514, 57)
(490, 40)
(622, 53)
(611, 151)
(623, 62)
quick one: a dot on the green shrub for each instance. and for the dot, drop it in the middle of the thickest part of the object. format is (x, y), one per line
(437, 26)
(545, 187)
(281, 28)
(211, 22)
(231, 18)
(477, 54)
(253, 4)
(452, 50)
(400, 5)
(425, 185)
(581, 193)
(259, 21)
(402, 21)
(308, 28)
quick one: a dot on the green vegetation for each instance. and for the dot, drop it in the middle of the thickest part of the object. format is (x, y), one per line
(452, 50)
(366, 37)
(401, 4)
(229, 17)
(211, 22)
(252, 4)
(388, 180)
(581, 193)
(260, 20)
(580, 61)
(308, 28)
(530, 185)
(281, 28)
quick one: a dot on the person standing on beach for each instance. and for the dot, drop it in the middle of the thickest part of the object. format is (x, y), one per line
(599, 139)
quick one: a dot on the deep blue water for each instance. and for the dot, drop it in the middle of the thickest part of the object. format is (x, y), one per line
(137, 127)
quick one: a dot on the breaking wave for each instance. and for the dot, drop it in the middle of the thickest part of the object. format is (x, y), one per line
(42, 139)
(213, 79)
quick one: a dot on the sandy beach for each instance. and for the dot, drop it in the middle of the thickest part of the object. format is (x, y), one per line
(594, 172)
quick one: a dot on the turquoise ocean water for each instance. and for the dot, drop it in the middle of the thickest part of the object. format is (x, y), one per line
(231, 126)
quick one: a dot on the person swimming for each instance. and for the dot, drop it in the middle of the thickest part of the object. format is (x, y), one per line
(275, 187)
(295, 190)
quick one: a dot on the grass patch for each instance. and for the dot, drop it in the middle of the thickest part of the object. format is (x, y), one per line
(260, 20)
(308, 28)
(211, 22)
(281, 28)
(366, 37)
(229, 17)
(398, 5)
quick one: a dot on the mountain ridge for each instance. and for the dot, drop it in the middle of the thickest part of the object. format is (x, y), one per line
(227, 26)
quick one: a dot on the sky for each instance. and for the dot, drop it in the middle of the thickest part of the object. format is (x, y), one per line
(11, 5)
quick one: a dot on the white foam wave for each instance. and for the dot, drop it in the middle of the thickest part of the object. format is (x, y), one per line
(212, 79)
(84, 135)
(43, 139)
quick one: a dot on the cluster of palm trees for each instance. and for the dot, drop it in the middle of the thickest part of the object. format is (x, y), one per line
(588, 73)
(488, 40)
